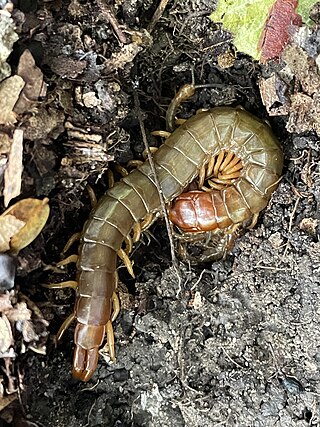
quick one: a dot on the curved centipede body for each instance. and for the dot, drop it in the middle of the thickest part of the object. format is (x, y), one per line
(177, 162)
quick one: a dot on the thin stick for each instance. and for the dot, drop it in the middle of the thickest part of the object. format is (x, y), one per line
(110, 17)
(157, 14)
(162, 201)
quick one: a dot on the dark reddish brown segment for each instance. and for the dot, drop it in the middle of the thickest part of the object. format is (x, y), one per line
(278, 29)
(199, 211)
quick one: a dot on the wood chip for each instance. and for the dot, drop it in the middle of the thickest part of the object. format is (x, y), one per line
(9, 93)
(34, 86)
(9, 226)
(12, 175)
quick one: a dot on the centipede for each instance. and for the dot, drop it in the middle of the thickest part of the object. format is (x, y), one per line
(241, 155)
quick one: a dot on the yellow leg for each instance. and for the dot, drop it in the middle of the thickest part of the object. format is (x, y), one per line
(62, 285)
(136, 232)
(254, 221)
(179, 122)
(147, 220)
(126, 260)
(161, 133)
(218, 163)
(134, 163)
(202, 110)
(110, 178)
(110, 340)
(202, 175)
(65, 325)
(214, 185)
(226, 161)
(121, 170)
(69, 260)
(211, 163)
(75, 237)
(92, 196)
(129, 244)
(232, 229)
(152, 151)
(232, 167)
(116, 306)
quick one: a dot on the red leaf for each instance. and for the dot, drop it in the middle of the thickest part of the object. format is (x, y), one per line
(279, 29)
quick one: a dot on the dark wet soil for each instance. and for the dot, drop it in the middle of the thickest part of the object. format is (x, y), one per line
(231, 343)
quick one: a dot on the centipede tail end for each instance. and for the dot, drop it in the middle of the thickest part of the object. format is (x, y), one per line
(88, 339)
(84, 363)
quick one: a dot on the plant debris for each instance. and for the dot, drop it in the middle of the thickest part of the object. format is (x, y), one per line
(22, 223)
(262, 29)
(293, 88)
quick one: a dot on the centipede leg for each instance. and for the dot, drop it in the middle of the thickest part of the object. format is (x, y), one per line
(254, 221)
(65, 325)
(134, 163)
(179, 122)
(92, 196)
(147, 220)
(110, 178)
(202, 176)
(69, 260)
(74, 238)
(136, 232)
(129, 244)
(62, 285)
(126, 260)
(110, 340)
(116, 306)
(162, 133)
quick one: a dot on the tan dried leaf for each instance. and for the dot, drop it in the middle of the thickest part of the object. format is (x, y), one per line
(5, 143)
(34, 213)
(34, 85)
(304, 113)
(6, 338)
(13, 172)
(28, 332)
(5, 303)
(19, 312)
(272, 91)
(9, 226)
(9, 93)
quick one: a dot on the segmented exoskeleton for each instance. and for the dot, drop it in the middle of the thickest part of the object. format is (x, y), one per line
(177, 162)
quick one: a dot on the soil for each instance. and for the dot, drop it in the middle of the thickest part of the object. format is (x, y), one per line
(229, 343)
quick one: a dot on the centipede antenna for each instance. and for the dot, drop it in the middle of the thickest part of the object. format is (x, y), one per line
(156, 180)
(65, 325)
(210, 85)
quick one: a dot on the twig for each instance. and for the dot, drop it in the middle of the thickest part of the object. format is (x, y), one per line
(109, 15)
(157, 15)
(162, 201)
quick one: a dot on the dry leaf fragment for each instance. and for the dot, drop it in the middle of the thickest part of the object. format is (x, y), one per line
(19, 313)
(8, 37)
(9, 93)
(34, 213)
(9, 226)
(28, 331)
(34, 86)
(5, 302)
(13, 172)
(6, 338)
(279, 28)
